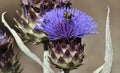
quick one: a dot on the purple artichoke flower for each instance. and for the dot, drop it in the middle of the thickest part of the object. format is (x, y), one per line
(66, 23)
(65, 27)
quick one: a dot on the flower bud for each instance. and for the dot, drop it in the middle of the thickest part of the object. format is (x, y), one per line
(8, 63)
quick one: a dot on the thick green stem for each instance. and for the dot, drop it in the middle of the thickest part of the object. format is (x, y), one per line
(66, 71)
(45, 44)
(46, 60)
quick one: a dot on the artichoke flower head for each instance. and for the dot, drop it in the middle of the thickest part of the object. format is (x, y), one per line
(9, 61)
(65, 28)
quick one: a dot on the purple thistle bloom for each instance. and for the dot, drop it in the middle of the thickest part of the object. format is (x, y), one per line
(66, 23)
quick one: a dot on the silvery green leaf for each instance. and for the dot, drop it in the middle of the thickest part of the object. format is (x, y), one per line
(107, 66)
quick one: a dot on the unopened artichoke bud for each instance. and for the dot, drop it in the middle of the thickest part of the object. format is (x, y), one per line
(26, 20)
(8, 63)
(65, 28)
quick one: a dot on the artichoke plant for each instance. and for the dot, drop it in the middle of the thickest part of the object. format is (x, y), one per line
(9, 61)
(65, 28)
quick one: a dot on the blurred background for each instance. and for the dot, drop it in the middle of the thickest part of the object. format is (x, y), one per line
(95, 45)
